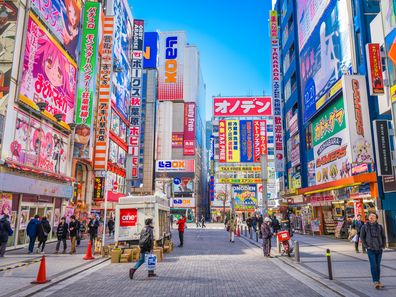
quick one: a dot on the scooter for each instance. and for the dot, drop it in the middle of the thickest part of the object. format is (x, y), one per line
(284, 240)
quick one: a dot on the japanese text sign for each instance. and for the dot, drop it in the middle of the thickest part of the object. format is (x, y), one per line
(260, 139)
(189, 129)
(232, 141)
(376, 80)
(246, 106)
(222, 141)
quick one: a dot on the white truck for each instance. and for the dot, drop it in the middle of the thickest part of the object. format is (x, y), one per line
(132, 211)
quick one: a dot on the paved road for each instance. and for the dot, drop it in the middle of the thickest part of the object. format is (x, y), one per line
(208, 265)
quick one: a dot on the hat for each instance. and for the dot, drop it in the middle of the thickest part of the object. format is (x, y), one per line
(266, 220)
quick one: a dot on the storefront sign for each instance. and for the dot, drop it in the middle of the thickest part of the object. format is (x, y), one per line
(382, 148)
(295, 150)
(232, 141)
(242, 106)
(239, 168)
(189, 129)
(183, 202)
(177, 139)
(222, 141)
(239, 180)
(260, 139)
(87, 82)
(175, 166)
(374, 63)
(247, 146)
(128, 217)
(99, 188)
(150, 50)
(389, 183)
(170, 70)
(321, 200)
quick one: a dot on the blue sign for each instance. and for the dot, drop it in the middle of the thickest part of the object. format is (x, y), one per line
(150, 50)
(325, 58)
(177, 181)
(247, 141)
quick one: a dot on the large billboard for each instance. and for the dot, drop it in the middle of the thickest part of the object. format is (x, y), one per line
(63, 18)
(233, 152)
(183, 186)
(171, 63)
(247, 145)
(388, 9)
(222, 141)
(325, 57)
(150, 50)
(49, 73)
(245, 197)
(189, 129)
(175, 166)
(242, 106)
(221, 195)
(86, 95)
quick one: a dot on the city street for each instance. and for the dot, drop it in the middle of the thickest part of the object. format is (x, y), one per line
(209, 265)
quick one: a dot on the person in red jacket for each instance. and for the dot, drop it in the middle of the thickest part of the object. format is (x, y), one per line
(182, 224)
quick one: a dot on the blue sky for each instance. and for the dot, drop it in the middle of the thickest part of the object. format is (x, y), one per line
(232, 37)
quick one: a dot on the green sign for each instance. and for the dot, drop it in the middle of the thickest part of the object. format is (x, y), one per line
(330, 121)
(88, 62)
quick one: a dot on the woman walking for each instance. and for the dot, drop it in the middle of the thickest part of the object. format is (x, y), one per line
(43, 230)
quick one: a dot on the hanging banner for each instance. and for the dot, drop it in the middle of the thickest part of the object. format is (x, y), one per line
(222, 141)
(87, 82)
(382, 148)
(260, 139)
(246, 134)
(150, 53)
(374, 63)
(189, 129)
(243, 106)
(104, 104)
(232, 141)
(239, 168)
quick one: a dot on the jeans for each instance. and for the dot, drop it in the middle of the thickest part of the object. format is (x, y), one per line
(141, 260)
(42, 244)
(181, 237)
(357, 244)
(64, 244)
(375, 264)
(92, 238)
(32, 240)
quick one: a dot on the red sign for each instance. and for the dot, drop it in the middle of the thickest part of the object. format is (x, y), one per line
(189, 129)
(260, 139)
(177, 140)
(222, 141)
(128, 217)
(246, 106)
(115, 186)
(376, 80)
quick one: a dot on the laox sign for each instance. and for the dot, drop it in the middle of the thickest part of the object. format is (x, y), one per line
(170, 56)
(171, 164)
(128, 217)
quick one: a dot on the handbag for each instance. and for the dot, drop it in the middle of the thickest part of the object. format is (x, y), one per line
(355, 238)
(151, 262)
(352, 233)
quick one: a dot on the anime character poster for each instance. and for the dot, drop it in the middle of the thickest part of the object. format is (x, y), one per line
(57, 217)
(245, 197)
(122, 56)
(24, 218)
(63, 18)
(49, 74)
(6, 204)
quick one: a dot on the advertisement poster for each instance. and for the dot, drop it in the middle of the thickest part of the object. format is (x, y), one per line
(390, 43)
(245, 197)
(183, 185)
(87, 82)
(221, 195)
(189, 129)
(222, 141)
(13, 219)
(325, 57)
(170, 68)
(295, 150)
(388, 9)
(24, 219)
(37, 145)
(177, 139)
(376, 79)
(69, 211)
(5, 204)
(232, 141)
(244, 106)
(150, 50)
(311, 173)
(260, 139)
(49, 74)
(57, 217)
(246, 132)
(63, 18)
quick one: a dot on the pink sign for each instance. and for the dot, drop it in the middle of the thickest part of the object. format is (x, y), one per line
(189, 129)
(49, 74)
(260, 139)
(246, 106)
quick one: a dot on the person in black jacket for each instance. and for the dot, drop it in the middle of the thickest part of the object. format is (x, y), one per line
(61, 234)
(43, 229)
(357, 225)
(110, 225)
(373, 239)
(93, 226)
(267, 235)
(5, 232)
(73, 229)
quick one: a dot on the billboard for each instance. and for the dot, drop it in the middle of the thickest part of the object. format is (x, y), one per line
(374, 63)
(221, 196)
(239, 168)
(242, 106)
(247, 146)
(325, 57)
(260, 139)
(63, 18)
(150, 50)
(104, 106)
(239, 180)
(87, 81)
(49, 73)
(273, 24)
(38, 145)
(183, 185)
(177, 139)
(171, 63)
(232, 141)
(388, 9)
(175, 166)
(189, 129)
(245, 197)
(183, 202)
(383, 152)
(128, 217)
(222, 141)
(390, 43)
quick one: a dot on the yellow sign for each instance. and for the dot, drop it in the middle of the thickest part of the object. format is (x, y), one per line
(239, 168)
(239, 180)
(334, 89)
(233, 151)
(393, 93)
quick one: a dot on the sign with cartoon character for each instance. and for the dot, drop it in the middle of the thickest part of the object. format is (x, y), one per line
(245, 197)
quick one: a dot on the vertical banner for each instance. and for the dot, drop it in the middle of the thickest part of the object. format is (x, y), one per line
(87, 82)
(211, 188)
(374, 62)
(232, 141)
(222, 141)
(135, 107)
(150, 52)
(260, 139)
(189, 129)
(246, 134)
(103, 122)
(276, 95)
(382, 148)
(170, 70)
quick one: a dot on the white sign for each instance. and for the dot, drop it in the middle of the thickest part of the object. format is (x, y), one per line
(182, 202)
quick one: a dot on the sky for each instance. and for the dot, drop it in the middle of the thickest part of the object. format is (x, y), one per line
(232, 37)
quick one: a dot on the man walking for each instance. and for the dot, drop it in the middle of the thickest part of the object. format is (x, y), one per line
(203, 222)
(73, 234)
(31, 231)
(267, 235)
(373, 239)
(357, 225)
(93, 226)
(231, 228)
(181, 223)
(5, 232)
(61, 235)
(110, 225)
(146, 244)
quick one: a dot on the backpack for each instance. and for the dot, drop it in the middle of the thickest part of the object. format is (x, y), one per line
(145, 239)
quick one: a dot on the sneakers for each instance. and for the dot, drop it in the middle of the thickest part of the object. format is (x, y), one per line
(131, 272)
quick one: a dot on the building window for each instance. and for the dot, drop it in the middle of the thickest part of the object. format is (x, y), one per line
(293, 81)
(291, 52)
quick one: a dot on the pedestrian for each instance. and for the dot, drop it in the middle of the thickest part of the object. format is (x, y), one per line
(110, 225)
(231, 227)
(267, 235)
(197, 223)
(373, 239)
(249, 224)
(171, 218)
(5, 232)
(93, 226)
(254, 223)
(78, 227)
(31, 231)
(73, 227)
(260, 222)
(146, 244)
(275, 224)
(203, 222)
(61, 235)
(182, 224)
(81, 231)
(357, 225)
(43, 229)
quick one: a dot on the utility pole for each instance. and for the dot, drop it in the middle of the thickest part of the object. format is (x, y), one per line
(264, 174)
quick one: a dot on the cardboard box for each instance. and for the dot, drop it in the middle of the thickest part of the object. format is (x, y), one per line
(159, 252)
(115, 255)
(125, 258)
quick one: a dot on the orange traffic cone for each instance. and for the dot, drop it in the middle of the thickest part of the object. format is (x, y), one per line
(239, 231)
(42, 275)
(88, 254)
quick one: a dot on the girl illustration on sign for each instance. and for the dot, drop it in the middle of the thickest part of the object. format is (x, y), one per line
(71, 29)
(58, 152)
